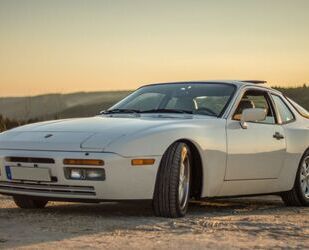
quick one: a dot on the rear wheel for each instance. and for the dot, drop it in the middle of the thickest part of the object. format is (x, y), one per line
(172, 189)
(299, 195)
(29, 203)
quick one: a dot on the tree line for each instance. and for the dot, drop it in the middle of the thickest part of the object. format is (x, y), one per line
(299, 94)
(6, 123)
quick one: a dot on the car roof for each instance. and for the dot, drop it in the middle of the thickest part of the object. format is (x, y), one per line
(238, 83)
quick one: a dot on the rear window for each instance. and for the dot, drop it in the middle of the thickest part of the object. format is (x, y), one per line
(302, 111)
(284, 111)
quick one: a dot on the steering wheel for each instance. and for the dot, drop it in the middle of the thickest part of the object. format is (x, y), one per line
(208, 110)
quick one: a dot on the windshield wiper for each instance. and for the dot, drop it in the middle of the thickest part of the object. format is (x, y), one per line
(120, 111)
(135, 111)
(179, 111)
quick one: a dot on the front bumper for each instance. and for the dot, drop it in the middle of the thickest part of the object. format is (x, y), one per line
(122, 182)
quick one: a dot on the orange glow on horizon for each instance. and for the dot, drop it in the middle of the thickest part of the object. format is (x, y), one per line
(70, 46)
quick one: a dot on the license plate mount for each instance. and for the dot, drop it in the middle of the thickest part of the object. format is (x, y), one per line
(28, 174)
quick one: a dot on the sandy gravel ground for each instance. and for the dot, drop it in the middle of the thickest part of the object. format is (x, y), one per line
(225, 224)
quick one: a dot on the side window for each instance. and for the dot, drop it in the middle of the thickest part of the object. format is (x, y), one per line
(283, 110)
(255, 99)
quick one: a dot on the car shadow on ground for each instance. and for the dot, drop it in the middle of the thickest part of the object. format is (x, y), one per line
(59, 221)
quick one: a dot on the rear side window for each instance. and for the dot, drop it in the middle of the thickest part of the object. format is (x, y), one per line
(284, 111)
(302, 111)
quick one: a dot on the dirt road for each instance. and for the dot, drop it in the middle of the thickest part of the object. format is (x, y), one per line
(235, 223)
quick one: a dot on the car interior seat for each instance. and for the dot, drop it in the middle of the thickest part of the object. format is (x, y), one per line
(244, 104)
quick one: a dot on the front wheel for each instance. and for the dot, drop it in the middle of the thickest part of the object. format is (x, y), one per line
(29, 203)
(299, 195)
(172, 191)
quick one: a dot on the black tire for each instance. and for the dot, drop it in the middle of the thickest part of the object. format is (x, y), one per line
(29, 202)
(166, 195)
(296, 196)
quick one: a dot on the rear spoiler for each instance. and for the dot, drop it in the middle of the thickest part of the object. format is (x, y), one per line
(255, 81)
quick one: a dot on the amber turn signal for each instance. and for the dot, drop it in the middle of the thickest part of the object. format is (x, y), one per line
(141, 162)
(83, 162)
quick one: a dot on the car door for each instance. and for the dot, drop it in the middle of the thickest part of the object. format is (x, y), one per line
(258, 151)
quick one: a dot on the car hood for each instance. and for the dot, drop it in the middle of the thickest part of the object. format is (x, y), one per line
(80, 134)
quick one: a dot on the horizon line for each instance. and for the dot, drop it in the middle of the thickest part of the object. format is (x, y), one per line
(131, 90)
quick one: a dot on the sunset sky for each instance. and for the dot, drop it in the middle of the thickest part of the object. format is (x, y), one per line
(67, 46)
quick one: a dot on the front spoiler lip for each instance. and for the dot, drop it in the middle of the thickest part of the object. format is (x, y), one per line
(84, 200)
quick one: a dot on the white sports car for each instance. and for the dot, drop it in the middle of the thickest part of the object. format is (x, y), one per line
(167, 143)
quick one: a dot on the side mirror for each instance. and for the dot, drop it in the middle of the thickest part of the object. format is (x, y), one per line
(252, 115)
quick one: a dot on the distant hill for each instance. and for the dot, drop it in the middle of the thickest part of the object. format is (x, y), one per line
(53, 106)
(82, 104)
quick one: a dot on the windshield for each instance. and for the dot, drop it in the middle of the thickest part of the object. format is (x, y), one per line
(194, 98)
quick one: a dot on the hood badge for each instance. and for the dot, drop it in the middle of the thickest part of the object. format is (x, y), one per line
(48, 135)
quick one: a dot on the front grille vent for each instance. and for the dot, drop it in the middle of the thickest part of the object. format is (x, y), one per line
(29, 160)
(46, 188)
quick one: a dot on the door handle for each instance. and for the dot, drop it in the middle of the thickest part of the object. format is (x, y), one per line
(278, 136)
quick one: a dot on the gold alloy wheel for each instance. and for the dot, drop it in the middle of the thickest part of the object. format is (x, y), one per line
(184, 178)
(304, 177)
